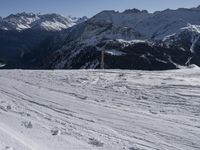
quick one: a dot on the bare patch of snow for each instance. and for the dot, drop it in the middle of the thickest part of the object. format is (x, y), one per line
(115, 52)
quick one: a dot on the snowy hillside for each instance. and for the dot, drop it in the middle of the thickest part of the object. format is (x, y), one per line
(187, 38)
(155, 25)
(132, 39)
(47, 22)
(24, 37)
(100, 110)
(173, 34)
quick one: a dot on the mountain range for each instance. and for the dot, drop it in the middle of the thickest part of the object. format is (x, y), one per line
(133, 39)
(48, 22)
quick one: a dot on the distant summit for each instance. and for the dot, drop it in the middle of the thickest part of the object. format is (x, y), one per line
(48, 22)
(129, 11)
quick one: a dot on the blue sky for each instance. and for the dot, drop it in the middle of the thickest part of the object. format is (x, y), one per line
(88, 7)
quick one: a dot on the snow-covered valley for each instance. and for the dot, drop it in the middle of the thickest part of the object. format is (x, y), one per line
(100, 110)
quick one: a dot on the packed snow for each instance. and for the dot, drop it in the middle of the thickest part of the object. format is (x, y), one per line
(100, 110)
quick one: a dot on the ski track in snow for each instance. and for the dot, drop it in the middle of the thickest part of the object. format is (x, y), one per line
(100, 109)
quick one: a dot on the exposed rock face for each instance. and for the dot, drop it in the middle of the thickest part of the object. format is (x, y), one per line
(132, 39)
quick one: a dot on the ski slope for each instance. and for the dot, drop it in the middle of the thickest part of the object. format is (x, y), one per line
(100, 110)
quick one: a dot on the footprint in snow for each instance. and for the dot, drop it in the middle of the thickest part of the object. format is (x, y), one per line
(27, 124)
(134, 148)
(5, 107)
(55, 132)
(8, 107)
(8, 148)
(95, 142)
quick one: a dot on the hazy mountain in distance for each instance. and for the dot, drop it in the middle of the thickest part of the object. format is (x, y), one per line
(48, 22)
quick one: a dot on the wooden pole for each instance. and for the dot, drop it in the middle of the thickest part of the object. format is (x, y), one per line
(102, 59)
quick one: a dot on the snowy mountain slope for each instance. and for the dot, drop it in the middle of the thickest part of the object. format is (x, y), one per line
(48, 22)
(102, 109)
(51, 22)
(134, 54)
(174, 35)
(188, 38)
(151, 25)
(27, 48)
(167, 22)
(128, 18)
(18, 21)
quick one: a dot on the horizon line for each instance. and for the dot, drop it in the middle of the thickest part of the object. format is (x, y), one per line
(70, 15)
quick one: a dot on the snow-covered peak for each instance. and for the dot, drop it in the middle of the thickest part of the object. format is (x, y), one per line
(133, 24)
(188, 38)
(19, 21)
(189, 30)
(151, 25)
(128, 18)
(192, 28)
(50, 22)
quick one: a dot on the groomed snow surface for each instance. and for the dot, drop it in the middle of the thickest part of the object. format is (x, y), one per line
(100, 110)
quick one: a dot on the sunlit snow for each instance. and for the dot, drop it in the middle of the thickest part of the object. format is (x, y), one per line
(100, 109)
